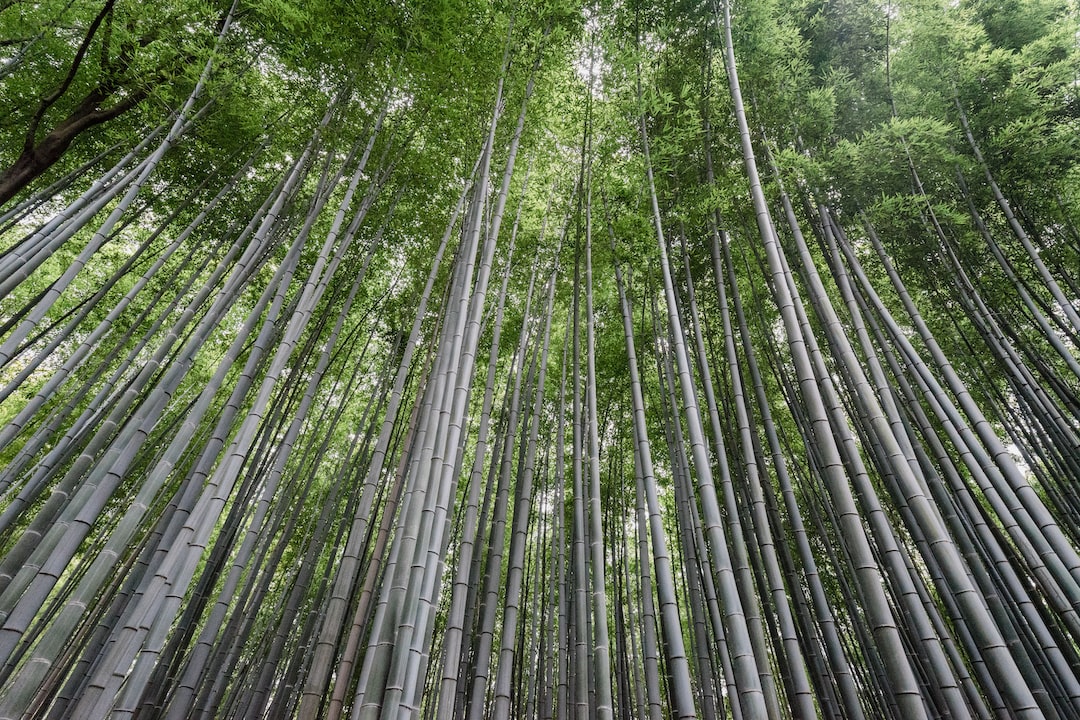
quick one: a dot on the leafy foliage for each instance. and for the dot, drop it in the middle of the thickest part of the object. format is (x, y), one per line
(255, 460)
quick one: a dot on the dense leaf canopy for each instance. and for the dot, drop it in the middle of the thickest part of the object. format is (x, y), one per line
(538, 358)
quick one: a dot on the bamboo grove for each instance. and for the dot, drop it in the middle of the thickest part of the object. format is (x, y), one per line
(462, 360)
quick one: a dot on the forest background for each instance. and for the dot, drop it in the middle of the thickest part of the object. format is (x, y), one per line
(539, 358)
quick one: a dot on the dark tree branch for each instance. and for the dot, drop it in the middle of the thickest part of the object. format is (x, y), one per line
(49, 101)
(37, 159)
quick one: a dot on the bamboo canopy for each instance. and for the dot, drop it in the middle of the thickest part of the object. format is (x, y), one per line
(540, 359)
